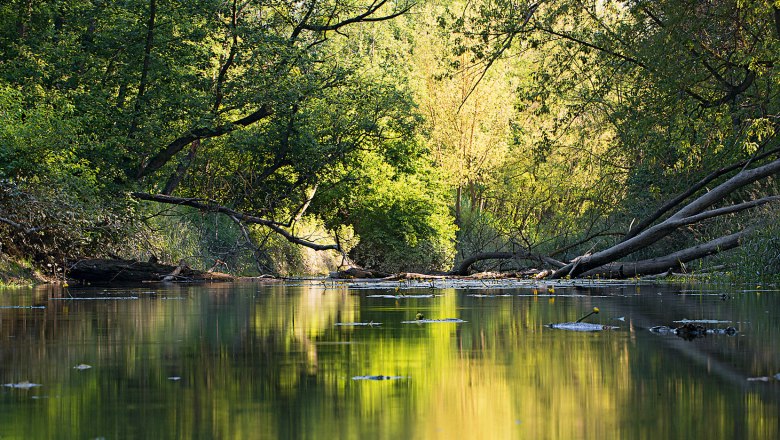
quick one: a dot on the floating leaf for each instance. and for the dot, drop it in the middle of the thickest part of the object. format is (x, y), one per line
(22, 307)
(432, 321)
(582, 327)
(379, 377)
(22, 385)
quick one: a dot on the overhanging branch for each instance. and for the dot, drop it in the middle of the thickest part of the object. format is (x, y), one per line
(170, 150)
(212, 206)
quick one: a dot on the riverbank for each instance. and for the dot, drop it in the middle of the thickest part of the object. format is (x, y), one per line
(19, 273)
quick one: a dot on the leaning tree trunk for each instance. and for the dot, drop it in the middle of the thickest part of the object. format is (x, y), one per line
(691, 213)
(675, 261)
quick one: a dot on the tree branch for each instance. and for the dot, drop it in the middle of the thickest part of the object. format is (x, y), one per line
(727, 210)
(212, 206)
(361, 18)
(162, 157)
(655, 233)
(667, 262)
(21, 227)
(644, 224)
(463, 268)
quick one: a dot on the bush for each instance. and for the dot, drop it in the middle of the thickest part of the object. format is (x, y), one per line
(49, 223)
(405, 227)
(758, 258)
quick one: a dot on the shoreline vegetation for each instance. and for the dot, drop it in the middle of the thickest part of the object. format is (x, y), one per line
(586, 139)
(117, 271)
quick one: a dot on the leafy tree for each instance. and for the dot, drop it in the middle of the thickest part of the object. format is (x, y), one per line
(248, 109)
(679, 88)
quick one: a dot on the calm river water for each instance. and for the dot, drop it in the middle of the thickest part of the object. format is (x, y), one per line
(253, 360)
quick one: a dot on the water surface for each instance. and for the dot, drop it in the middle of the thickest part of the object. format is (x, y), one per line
(269, 361)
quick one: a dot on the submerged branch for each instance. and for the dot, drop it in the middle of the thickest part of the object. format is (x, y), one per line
(464, 266)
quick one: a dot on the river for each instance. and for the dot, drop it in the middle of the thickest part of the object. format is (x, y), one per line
(288, 360)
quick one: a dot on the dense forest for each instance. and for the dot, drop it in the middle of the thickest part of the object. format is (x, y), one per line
(589, 138)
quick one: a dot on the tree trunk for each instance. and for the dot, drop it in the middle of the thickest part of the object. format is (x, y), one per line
(693, 212)
(126, 271)
(145, 67)
(673, 261)
(463, 268)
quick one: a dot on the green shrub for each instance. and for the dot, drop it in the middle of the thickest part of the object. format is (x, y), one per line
(758, 258)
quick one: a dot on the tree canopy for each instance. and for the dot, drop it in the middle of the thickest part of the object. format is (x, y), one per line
(568, 133)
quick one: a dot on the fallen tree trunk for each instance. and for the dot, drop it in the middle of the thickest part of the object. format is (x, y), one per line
(668, 206)
(129, 271)
(693, 212)
(463, 268)
(606, 262)
(671, 262)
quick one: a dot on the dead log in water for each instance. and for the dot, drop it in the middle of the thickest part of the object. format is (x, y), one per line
(131, 271)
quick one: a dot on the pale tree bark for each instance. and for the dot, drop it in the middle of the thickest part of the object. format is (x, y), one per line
(674, 261)
(694, 212)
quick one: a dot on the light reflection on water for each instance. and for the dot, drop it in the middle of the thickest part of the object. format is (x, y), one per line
(269, 361)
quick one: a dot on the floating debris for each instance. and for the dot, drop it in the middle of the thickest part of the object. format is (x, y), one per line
(379, 377)
(759, 379)
(22, 307)
(621, 318)
(702, 321)
(479, 295)
(561, 295)
(474, 284)
(370, 323)
(432, 321)
(582, 326)
(661, 329)
(174, 378)
(22, 385)
(401, 296)
(82, 367)
(690, 331)
(95, 298)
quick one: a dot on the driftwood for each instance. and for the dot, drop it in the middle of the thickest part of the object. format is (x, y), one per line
(130, 271)
(355, 272)
(413, 276)
(463, 267)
